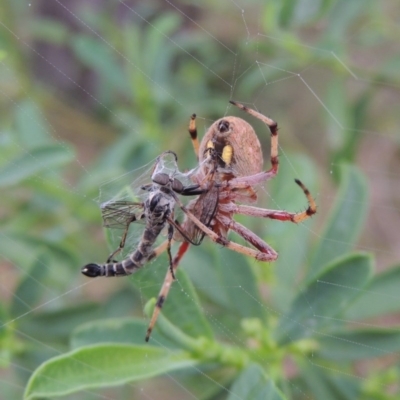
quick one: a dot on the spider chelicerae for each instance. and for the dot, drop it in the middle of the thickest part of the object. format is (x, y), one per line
(230, 167)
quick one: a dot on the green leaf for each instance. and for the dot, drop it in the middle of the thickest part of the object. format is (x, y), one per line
(298, 12)
(290, 240)
(252, 384)
(101, 366)
(327, 385)
(324, 298)
(182, 306)
(342, 16)
(380, 298)
(22, 249)
(230, 272)
(345, 221)
(50, 31)
(345, 387)
(337, 104)
(97, 55)
(359, 344)
(155, 44)
(31, 126)
(30, 290)
(115, 330)
(33, 162)
(286, 13)
(57, 324)
(6, 337)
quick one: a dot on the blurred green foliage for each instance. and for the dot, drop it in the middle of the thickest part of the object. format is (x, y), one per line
(92, 94)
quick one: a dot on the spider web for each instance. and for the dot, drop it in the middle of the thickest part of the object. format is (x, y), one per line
(333, 88)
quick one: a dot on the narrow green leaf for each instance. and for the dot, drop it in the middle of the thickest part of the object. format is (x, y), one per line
(115, 330)
(50, 31)
(202, 385)
(286, 13)
(359, 344)
(202, 265)
(6, 337)
(34, 162)
(29, 291)
(337, 103)
(291, 241)
(154, 43)
(97, 55)
(22, 249)
(31, 126)
(345, 387)
(57, 324)
(101, 366)
(239, 282)
(380, 298)
(324, 298)
(325, 384)
(252, 384)
(345, 221)
(231, 273)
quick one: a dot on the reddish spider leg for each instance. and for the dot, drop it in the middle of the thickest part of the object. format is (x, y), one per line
(169, 279)
(280, 214)
(249, 181)
(258, 255)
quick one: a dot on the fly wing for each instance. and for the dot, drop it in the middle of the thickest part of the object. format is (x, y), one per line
(119, 214)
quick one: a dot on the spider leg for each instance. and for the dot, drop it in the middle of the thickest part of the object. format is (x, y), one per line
(170, 235)
(253, 239)
(280, 214)
(193, 135)
(247, 251)
(273, 127)
(169, 279)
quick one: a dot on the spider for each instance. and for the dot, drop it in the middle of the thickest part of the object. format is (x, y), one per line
(230, 166)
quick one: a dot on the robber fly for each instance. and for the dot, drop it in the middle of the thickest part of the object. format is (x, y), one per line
(157, 211)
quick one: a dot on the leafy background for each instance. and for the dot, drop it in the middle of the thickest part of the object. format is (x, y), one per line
(92, 89)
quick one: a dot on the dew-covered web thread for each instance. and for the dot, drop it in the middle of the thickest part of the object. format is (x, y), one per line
(140, 72)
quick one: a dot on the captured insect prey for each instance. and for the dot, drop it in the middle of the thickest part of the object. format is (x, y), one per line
(230, 167)
(156, 211)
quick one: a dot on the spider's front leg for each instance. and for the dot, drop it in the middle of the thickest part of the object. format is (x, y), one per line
(280, 214)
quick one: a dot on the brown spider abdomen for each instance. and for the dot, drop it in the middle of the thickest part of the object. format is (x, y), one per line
(247, 157)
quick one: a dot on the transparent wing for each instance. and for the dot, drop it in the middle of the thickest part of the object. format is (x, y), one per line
(119, 214)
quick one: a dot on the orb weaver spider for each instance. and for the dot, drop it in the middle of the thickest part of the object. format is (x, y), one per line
(230, 166)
